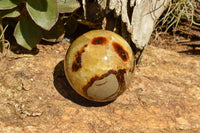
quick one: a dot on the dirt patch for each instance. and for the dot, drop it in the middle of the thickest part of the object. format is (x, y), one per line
(164, 95)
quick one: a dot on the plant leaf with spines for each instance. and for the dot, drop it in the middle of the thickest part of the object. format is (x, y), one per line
(43, 12)
(27, 33)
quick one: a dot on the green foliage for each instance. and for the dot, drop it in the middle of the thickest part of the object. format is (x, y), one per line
(45, 9)
(36, 19)
(27, 33)
(9, 4)
(12, 13)
(56, 33)
(68, 6)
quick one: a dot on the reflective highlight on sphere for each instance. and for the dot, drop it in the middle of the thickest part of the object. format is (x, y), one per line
(99, 65)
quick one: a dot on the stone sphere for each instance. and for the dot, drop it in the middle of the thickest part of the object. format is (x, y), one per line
(99, 65)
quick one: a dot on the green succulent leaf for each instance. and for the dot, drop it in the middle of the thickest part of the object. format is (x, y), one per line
(68, 6)
(56, 34)
(43, 12)
(27, 33)
(12, 13)
(9, 4)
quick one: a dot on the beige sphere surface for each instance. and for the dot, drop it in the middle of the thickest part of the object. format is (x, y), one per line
(99, 65)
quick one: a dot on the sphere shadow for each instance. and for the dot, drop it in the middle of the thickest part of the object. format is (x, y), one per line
(63, 87)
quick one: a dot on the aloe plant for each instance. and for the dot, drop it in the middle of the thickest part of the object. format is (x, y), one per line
(37, 19)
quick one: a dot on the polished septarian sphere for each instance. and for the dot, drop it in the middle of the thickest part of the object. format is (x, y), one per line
(99, 65)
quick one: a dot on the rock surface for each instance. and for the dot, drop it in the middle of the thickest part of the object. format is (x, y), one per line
(164, 96)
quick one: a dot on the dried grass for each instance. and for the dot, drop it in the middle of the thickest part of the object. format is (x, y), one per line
(3, 42)
(178, 10)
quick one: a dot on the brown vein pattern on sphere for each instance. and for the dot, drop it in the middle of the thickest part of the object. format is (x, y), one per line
(76, 65)
(100, 40)
(123, 54)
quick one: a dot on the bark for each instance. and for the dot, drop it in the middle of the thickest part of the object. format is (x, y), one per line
(139, 16)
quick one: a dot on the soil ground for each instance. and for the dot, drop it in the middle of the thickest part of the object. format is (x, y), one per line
(164, 95)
